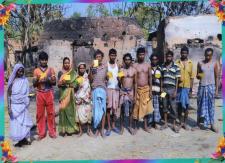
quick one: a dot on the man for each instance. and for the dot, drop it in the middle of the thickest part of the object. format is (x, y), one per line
(98, 79)
(143, 104)
(207, 73)
(112, 92)
(185, 85)
(170, 77)
(43, 80)
(156, 89)
(127, 92)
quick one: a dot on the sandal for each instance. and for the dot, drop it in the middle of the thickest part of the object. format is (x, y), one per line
(116, 130)
(108, 133)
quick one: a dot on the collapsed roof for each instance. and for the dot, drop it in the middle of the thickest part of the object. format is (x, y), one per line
(85, 29)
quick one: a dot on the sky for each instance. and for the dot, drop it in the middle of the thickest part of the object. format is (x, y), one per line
(81, 8)
(76, 7)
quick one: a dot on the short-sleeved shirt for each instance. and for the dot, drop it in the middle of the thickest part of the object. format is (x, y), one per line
(170, 75)
(44, 87)
(156, 81)
(187, 73)
(99, 78)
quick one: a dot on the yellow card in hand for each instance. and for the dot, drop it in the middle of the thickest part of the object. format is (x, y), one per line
(157, 75)
(43, 75)
(66, 77)
(121, 74)
(80, 80)
(163, 94)
(95, 63)
(31, 94)
(109, 74)
(201, 75)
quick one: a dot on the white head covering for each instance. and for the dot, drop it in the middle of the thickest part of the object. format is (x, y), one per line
(13, 75)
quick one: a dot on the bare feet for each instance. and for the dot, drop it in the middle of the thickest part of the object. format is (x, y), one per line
(102, 134)
(122, 130)
(157, 127)
(90, 133)
(131, 130)
(195, 128)
(185, 127)
(175, 129)
(213, 128)
(135, 131)
(80, 134)
(96, 133)
(165, 126)
(148, 130)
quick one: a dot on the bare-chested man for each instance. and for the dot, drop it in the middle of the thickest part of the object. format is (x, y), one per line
(128, 91)
(143, 104)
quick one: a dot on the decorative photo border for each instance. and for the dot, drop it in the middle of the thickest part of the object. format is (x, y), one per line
(6, 153)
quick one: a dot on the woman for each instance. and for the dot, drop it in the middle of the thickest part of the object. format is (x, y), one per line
(83, 100)
(18, 103)
(67, 83)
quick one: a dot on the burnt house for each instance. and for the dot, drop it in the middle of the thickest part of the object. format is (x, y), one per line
(79, 38)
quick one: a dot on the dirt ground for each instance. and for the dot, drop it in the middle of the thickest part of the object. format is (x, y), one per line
(157, 145)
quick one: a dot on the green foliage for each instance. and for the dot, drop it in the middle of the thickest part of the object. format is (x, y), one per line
(76, 15)
(97, 10)
(117, 12)
(149, 15)
(7, 2)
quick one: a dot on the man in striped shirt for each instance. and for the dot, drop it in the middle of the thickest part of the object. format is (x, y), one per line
(170, 78)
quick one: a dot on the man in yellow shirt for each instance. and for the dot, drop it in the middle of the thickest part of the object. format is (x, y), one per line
(185, 85)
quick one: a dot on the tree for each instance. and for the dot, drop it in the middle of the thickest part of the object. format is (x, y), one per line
(76, 15)
(26, 23)
(97, 10)
(149, 15)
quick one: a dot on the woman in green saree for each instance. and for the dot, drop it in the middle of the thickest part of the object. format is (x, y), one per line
(67, 82)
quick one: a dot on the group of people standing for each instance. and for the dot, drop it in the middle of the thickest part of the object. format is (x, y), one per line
(108, 92)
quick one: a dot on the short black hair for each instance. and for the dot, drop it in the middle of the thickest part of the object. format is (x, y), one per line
(127, 55)
(112, 51)
(42, 56)
(140, 50)
(153, 55)
(98, 52)
(65, 58)
(184, 48)
(208, 50)
(169, 53)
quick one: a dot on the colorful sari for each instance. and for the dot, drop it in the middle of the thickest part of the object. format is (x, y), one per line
(20, 120)
(67, 113)
(83, 102)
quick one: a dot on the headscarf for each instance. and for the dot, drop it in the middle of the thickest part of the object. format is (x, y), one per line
(81, 63)
(13, 75)
(85, 75)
